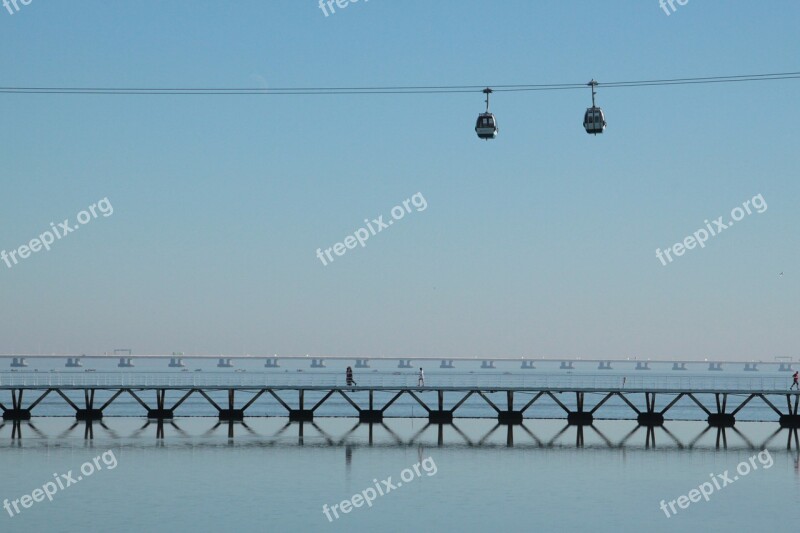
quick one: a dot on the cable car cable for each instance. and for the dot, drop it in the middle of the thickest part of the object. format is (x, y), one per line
(443, 89)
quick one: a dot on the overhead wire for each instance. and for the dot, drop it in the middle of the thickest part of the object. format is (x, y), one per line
(391, 90)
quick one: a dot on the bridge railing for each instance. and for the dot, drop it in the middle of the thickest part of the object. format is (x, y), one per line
(394, 379)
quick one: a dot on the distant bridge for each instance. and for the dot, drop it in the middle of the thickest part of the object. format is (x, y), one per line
(127, 360)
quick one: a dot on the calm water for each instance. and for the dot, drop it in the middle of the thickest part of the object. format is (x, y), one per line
(275, 476)
(199, 480)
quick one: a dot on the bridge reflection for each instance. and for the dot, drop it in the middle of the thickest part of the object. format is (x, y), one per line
(384, 435)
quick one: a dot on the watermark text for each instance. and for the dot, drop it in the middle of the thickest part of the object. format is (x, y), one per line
(699, 237)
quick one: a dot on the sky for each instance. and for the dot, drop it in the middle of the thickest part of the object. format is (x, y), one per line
(540, 243)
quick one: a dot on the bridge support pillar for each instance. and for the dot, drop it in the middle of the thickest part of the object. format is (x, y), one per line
(580, 418)
(440, 417)
(88, 414)
(650, 419)
(231, 414)
(17, 414)
(790, 421)
(721, 420)
(160, 412)
(509, 417)
(301, 415)
(370, 415)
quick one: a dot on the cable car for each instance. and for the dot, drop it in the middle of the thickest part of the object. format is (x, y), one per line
(486, 126)
(594, 121)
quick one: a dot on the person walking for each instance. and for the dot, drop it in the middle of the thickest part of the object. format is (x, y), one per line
(350, 381)
(421, 380)
(795, 383)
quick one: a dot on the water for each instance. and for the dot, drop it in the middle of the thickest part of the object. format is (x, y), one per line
(277, 476)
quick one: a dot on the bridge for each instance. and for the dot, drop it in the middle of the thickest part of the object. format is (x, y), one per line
(714, 397)
(125, 359)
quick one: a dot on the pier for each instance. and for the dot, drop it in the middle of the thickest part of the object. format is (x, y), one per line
(87, 397)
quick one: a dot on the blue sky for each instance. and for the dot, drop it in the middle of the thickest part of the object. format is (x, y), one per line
(540, 243)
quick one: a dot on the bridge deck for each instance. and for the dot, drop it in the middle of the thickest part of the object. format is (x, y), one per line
(397, 388)
(556, 388)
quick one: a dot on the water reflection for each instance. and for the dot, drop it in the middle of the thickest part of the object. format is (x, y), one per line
(398, 433)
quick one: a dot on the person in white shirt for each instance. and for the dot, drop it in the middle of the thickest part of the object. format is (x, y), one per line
(421, 381)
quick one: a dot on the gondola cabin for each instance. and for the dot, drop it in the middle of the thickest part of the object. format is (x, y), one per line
(486, 126)
(594, 121)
